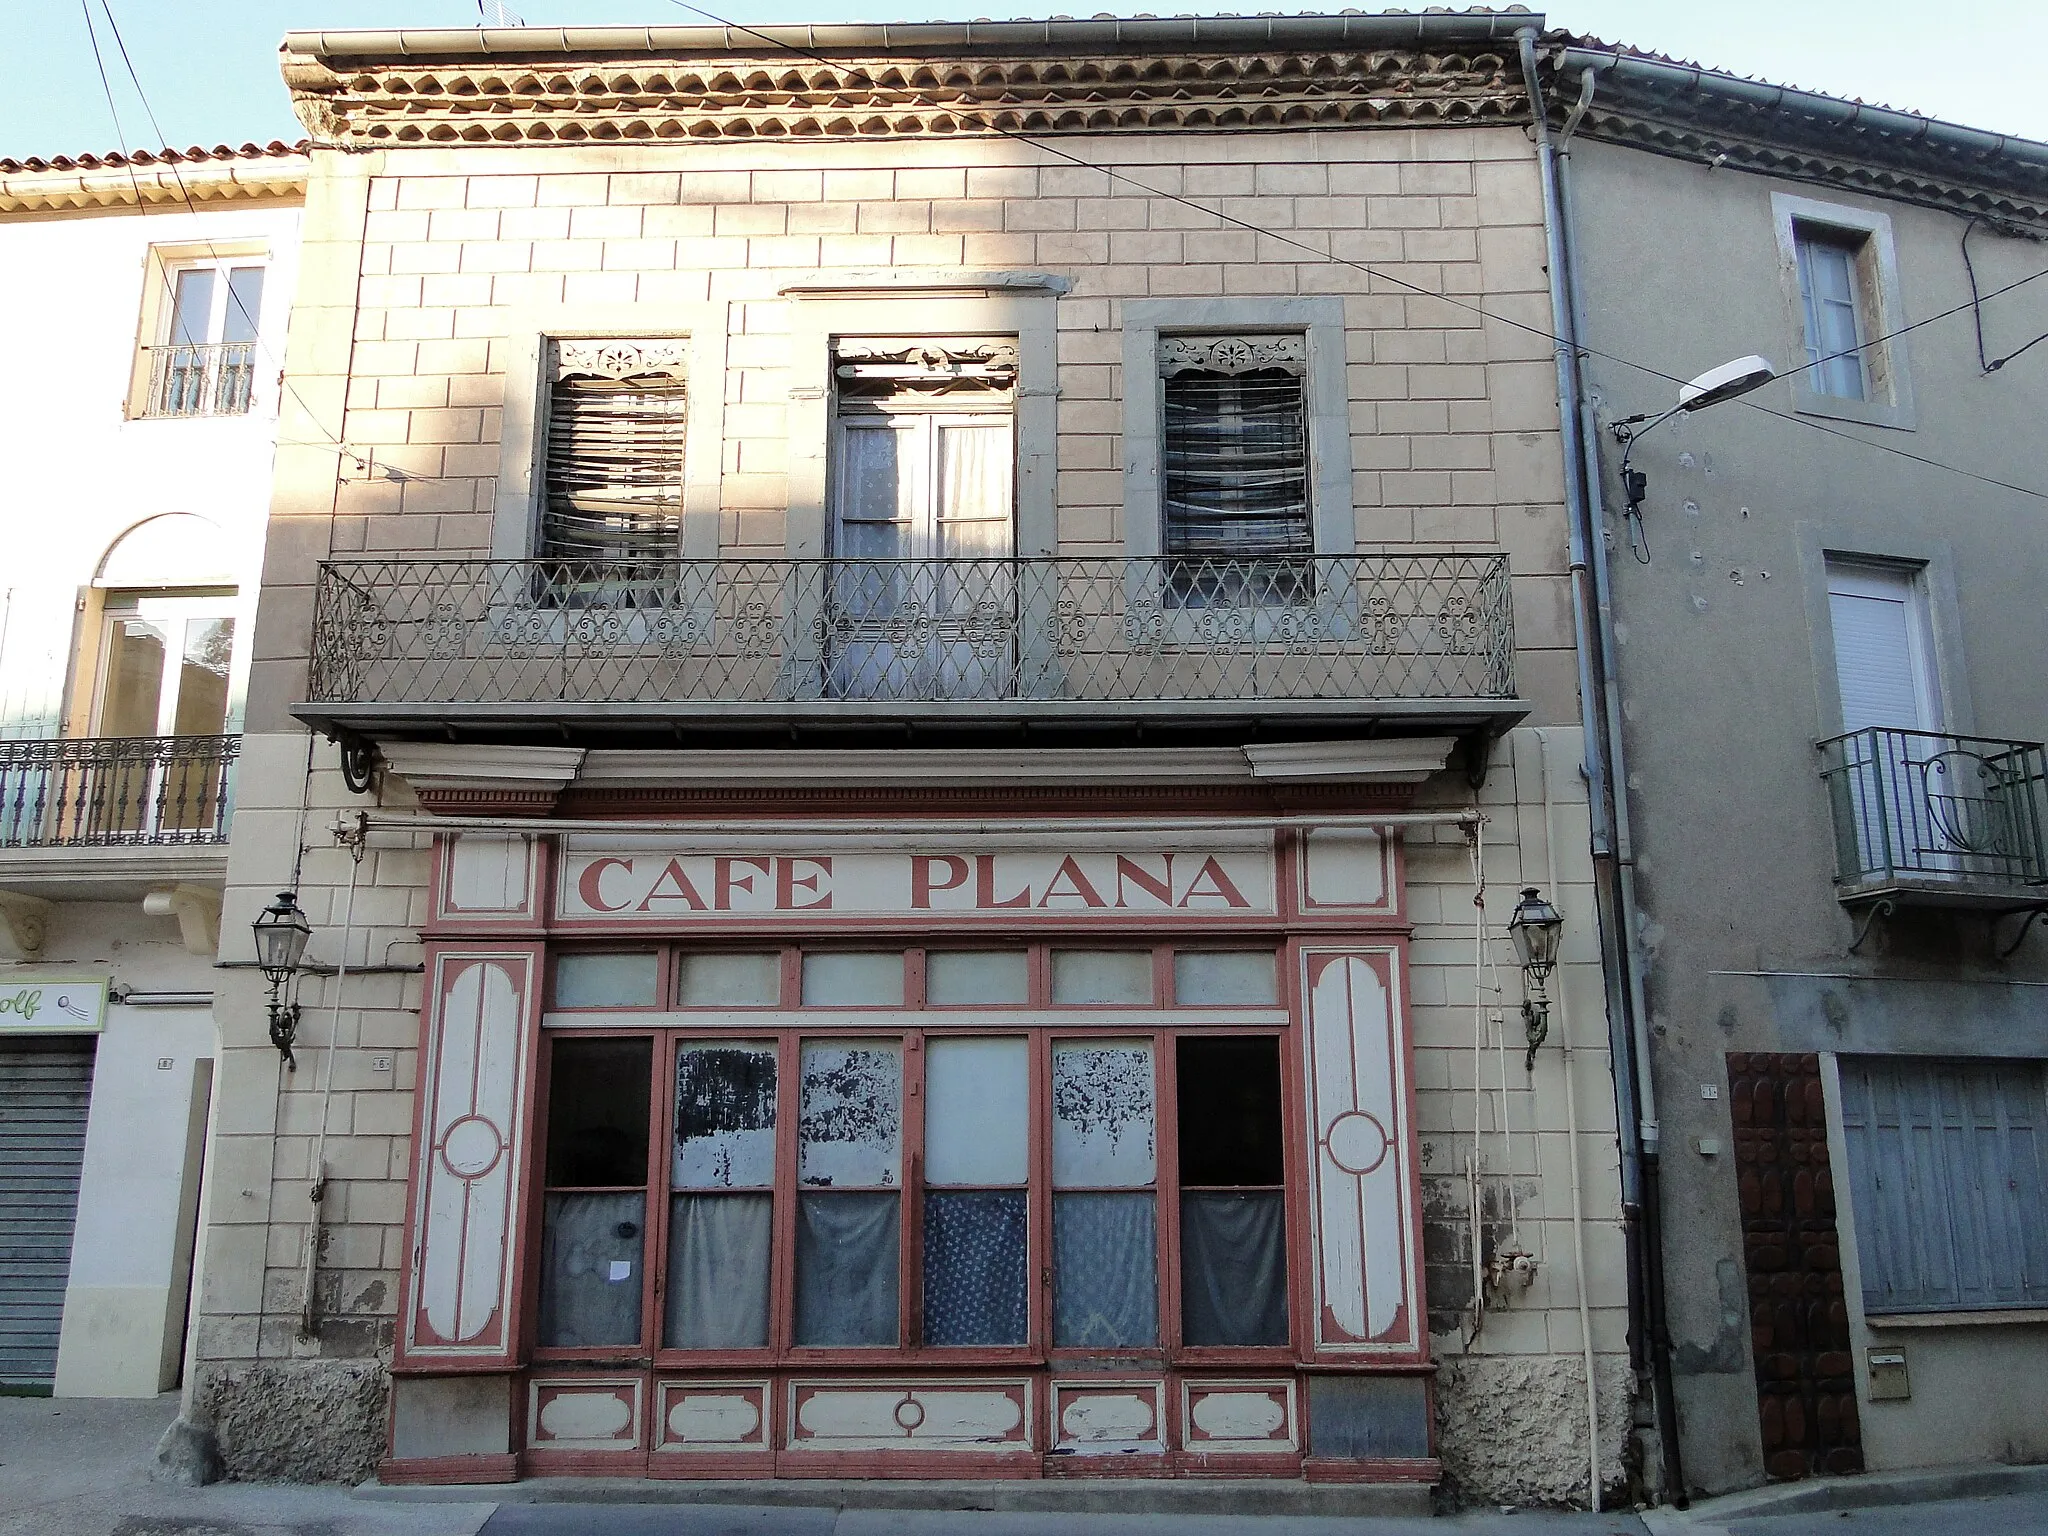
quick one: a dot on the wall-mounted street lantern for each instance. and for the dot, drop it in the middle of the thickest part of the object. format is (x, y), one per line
(1534, 929)
(281, 932)
(1726, 382)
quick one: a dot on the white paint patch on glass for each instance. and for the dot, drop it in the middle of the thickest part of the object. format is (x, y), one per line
(1217, 978)
(965, 978)
(1103, 1100)
(725, 1116)
(730, 981)
(850, 1120)
(1084, 976)
(977, 1116)
(844, 979)
(607, 981)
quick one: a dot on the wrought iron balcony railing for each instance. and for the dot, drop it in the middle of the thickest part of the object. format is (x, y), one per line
(101, 791)
(188, 379)
(1939, 812)
(918, 637)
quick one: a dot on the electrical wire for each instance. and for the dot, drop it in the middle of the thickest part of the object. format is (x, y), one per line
(1991, 365)
(192, 208)
(860, 76)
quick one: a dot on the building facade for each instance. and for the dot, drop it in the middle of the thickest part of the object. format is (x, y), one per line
(1830, 707)
(933, 659)
(151, 292)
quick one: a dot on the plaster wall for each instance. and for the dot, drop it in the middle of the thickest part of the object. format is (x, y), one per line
(89, 473)
(1727, 684)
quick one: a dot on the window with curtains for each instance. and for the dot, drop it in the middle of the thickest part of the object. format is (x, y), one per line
(879, 1177)
(613, 465)
(1836, 305)
(1234, 460)
(922, 592)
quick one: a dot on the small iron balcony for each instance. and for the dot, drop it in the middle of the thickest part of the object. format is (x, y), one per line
(190, 379)
(491, 647)
(1938, 820)
(109, 791)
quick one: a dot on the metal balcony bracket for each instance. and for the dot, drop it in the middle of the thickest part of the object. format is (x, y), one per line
(1878, 909)
(24, 921)
(1475, 751)
(2028, 914)
(358, 762)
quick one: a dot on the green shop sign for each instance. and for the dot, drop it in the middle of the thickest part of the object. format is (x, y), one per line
(52, 1005)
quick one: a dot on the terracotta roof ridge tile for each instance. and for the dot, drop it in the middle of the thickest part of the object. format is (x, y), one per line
(116, 159)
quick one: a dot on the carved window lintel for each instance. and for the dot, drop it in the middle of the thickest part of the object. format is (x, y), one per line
(612, 358)
(1232, 354)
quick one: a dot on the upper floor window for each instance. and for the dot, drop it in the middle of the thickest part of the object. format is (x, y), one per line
(1841, 270)
(203, 359)
(1234, 463)
(613, 466)
(1837, 313)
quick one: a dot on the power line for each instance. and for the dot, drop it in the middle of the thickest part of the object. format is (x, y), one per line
(184, 193)
(863, 77)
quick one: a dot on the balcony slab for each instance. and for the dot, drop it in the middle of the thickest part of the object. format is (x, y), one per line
(116, 872)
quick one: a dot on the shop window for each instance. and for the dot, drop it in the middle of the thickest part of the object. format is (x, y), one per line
(729, 981)
(594, 1212)
(1233, 1266)
(721, 1203)
(977, 1160)
(849, 1210)
(969, 978)
(608, 981)
(1105, 1170)
(1086, 977)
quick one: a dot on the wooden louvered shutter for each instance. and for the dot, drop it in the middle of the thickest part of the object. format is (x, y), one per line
(614, 469)
(1235, 446)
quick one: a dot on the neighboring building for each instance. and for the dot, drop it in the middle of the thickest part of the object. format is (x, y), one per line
(1831, 703)
(934, 717)
(144, 328)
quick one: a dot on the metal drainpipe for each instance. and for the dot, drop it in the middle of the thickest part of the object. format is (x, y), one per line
(1592, 620)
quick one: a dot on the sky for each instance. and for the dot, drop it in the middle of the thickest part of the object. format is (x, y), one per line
(208, 68)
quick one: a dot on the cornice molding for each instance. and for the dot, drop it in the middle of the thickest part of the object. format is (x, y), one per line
(73, 187)
(868, 93)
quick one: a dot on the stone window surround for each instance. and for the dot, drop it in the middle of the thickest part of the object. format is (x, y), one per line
(915, 303)
(1931, 561)
(1321, 320)
(1878, 255)
(515, 518)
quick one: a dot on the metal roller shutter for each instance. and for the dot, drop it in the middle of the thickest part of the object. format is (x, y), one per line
(45, 1087)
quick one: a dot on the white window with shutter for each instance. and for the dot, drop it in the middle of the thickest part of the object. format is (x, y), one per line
(613, 476)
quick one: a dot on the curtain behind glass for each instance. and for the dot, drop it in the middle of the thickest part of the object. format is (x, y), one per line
(846, 1254)
(1233, 1268)
(1105, 1262)
(718, 1248)
(976, 1285)
(590, 1269)
(1235, 455)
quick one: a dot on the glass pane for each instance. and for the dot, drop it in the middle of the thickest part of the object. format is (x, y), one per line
(846, 1268)
(1212, 977)
(597, 1113)
(725, 1117)
(1105, 1272)
(192, 307)
(607, 981)
(590, 1269)
(977, 1111)
(135, 678)
(202, 708)
(850, 1123)
(718, 1250)
(853, 981)
(1233, 1268)
(1102, 976)
(731, 981)
(1102, 1115)
(962, 978)
(1229, 1112)
(245, 304)
(975, 474)
(877, 492)
(976, 1287)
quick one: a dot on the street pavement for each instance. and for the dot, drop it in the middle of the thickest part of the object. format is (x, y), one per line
(79, 1468)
